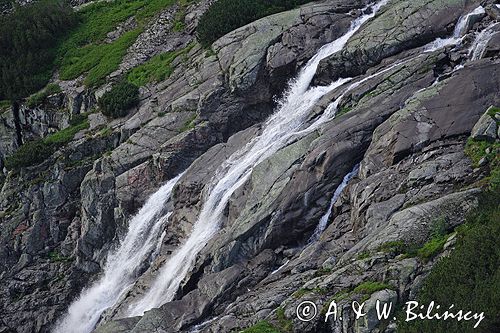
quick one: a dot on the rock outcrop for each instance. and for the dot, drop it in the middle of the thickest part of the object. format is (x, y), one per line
(403, 118)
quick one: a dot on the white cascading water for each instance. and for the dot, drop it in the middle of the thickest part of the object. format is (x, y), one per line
(458, 33)
(122, 265)
(481, 41)
(457, 37)
(142, 240)
(288, 120)
(323, 222)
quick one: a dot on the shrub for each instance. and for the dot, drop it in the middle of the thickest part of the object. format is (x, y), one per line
(29, 154)
(35, 152)
(5, 105)
(116, 102)
(469, 277)
(227, 15)
(29, 37)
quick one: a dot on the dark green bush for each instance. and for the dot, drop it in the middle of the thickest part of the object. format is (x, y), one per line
(116, 102)
(227, 15)
(29, 37)
(470, 277)
(31, 153)
(35, 152)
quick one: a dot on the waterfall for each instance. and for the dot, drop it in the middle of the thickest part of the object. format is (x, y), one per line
(122, 266)
(324, 219)
(289, 119)
(458, 33)
(481, 41)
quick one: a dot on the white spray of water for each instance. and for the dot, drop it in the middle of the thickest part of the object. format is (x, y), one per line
(458, 33)
(290, 117)
(122, 266)
(481, 41)
(323, 222)
(279, 268)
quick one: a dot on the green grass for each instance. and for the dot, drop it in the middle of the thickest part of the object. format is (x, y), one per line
(469, 277)
(39, 97)
(364, 255)
(476, 150)
(97, 60)
(262, 327)
(370, 287)
(343, 110)
(66, 135)
(395, 247)
(322, 271)
(157, 69)
(84, 51)
(492, 111)
(189, 124)
(285, 325)
(301, 292)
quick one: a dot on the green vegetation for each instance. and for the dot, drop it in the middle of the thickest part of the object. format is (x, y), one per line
(395, 247)
(322, 271)
(227, 15)
(370, 287)
(189, 124)
(284, 324)
(365, 289)
(98, 60)
(476, 150)
(55, 256)
(301, 292)
(343, 110)
(261, 327)
(432, 248)
(85, 52)
(156, 69)
(28, 40)
(364, 255)
(492, 111)
(39, 97)
(35, 152)
(490, 151)
(4, 105)
(116, 102)
(469, 277)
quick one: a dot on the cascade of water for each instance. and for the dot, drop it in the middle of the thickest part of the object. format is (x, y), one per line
(290, 117)
(324, 219)
(460, 30)
(481, 41)
(458, 33)
(122, 266)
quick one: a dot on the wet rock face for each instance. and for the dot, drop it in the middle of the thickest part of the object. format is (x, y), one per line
(405, 122)
(403, 25)
(413, 172)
